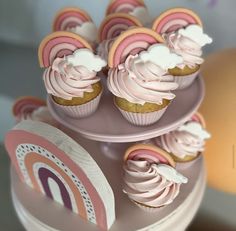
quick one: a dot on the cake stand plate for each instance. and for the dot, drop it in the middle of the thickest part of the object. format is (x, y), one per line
(108, 125)
(38, 212)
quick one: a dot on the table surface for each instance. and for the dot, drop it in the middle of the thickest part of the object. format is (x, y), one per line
(22, 76)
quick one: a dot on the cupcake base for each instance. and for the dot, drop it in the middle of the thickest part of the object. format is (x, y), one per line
(147, 208)
(80, 111)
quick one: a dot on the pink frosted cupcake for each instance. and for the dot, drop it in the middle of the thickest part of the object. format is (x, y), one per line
(32, 108)
(139, 77)
(150, 179)
(71, 75)
(187, 142)
(183, 33)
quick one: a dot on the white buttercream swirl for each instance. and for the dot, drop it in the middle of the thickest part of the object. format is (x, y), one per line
(145, 185)
(64, 80)
(182, 143)
(188, 49)
(104, 47)
(140, 82)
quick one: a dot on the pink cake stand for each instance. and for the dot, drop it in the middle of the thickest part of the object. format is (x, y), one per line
(108, 125)
(31, 206)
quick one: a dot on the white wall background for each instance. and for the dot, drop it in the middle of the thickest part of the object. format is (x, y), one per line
(28, 21)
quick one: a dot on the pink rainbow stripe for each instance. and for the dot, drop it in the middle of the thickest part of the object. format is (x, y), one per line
(115, 22)
(149, 155)
(17, 137)
(138, 42)
(189, 19)
(66, 15)
(118, 3)
(48, 58)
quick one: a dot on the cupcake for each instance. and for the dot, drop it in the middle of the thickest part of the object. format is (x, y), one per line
(150, 178)
(78, 21)
(183, 33)
(187, 142)
(111, 27)
(32, 108)
(140, 81)
(71, 79)
(135, 8)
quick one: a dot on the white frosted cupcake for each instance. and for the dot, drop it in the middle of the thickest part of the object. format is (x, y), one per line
(185, 143)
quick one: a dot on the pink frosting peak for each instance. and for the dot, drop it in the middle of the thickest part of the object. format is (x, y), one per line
(188, 49)
(140, 82)
(145, 185)
(64, 80)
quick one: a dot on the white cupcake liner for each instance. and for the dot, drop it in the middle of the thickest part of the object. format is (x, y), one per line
(185, 81)
(143, 119)
(80, 111)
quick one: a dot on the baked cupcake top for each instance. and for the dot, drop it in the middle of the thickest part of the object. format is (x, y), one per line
(32, 108)
(149, 178)
(77, 21)
(71, 65)
(187, 140)
(143, 77)
(183, 33)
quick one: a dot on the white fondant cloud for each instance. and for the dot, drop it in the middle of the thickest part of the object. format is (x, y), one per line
(142, 14)
(195, 33)
(87, 30)
(85, 57)
(160, 55)
(195, 129)
(171, 174)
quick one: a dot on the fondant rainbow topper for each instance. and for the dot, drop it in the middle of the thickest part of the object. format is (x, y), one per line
(124, 6)
(198, 117)
(114, 24)
(52, 163)
(70, 17)
(131, 42)
(174, 19)
(25, 105)
(59, 44)
(149, 152)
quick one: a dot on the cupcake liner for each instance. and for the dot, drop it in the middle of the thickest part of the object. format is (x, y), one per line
(147, 208)
(80, 111)
(185, 81)
(142, 119)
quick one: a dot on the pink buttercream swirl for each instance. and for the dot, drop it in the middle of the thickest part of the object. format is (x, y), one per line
(181, 143)
(140, 82)
(67, 81)
(144, 184)
(188, 49)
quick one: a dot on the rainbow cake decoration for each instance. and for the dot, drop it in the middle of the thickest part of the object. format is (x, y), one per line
(77, 21)
(182, 30)
(52, 163)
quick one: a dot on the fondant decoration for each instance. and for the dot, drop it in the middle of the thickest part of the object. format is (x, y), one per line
(160, 55)
(52, 163)
(195, 33)
(70, 17)
(24, 106)
(59, 44)
(77, 21)
(197, 117)
(218, 108)
(196, 129)
(114, 24)
(174, 19)
(149, 152)
(171, 174)
(124, 6)
(86, 58)
(131, 42)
